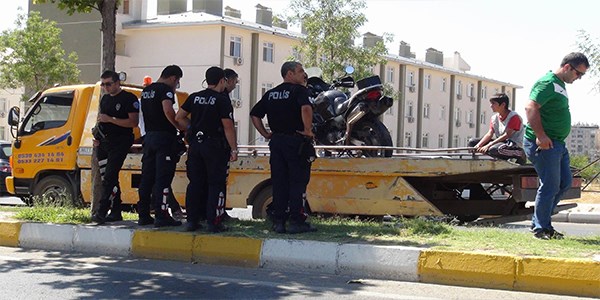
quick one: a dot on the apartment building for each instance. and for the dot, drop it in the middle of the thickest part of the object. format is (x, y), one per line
(8, 99)
(583, 140)
(440, 104)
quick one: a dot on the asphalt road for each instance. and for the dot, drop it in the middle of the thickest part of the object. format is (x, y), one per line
(35, 274)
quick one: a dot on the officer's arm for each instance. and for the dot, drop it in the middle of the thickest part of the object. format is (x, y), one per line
(307, 114)
(170, 113)
(130, 122)
(229, 128)
(182, 119)
(258, 124)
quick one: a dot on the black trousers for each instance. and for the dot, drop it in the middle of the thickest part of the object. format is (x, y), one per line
(158, 169)
(290, 175)
(112, 152)
(207, 170)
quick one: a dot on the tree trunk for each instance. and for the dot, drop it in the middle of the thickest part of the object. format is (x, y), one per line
(108, 10)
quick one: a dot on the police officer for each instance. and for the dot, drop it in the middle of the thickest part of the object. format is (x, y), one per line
(113, 136)
(231, 81)
(160, 147)
(289, 113)
(212, 140)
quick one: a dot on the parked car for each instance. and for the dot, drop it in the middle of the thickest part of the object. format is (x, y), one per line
(5, 153)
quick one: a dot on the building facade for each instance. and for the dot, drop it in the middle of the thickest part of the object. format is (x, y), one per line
(8, 99)
(440, 105)
(583, 140)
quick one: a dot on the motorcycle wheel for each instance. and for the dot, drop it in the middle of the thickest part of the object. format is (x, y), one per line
(373, 133)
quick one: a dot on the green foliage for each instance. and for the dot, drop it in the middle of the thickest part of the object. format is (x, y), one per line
(581, 161)
(591, 48)
(33, 55)
(331, 27)
(72, 6)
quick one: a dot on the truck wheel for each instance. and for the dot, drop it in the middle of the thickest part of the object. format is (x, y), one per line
(54, 190)
(262, 200)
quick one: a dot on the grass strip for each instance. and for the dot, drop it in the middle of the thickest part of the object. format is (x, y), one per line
(417, 232)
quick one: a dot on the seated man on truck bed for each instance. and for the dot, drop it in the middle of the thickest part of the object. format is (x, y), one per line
(504, 139)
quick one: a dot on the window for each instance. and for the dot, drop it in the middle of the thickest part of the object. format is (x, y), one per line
(425, 140)
(484, 92)
(428, 82)
(268, 52)
(441, 141)
(455, 141)
(467, 139)
(426, 109)
(407, 139)
(470, 117)
(2, 133)
(265, 88)
(235, 94)
(457, 116)
(235, 46)
(2, 104)
(409, 110)
(443, 87)
(411, 79)
(443, 112)
(471, 90)
(125, 7)
(52, 112)
(496, 91)
(459, 88)
(389, 75)
(483, 118)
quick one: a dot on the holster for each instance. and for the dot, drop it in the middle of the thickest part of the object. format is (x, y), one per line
(98, 133)
(307, 150)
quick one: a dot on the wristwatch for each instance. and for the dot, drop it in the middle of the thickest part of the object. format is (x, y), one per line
(234, 151)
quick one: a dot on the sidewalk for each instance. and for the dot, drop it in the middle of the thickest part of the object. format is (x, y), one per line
(477, 269)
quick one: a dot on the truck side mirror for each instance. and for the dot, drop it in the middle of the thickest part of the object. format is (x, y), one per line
(13, 116)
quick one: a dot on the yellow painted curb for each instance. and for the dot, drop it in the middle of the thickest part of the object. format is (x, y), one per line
(467, 269)
(9, 233)
(162, 245)
(560, 276)
(237, 251)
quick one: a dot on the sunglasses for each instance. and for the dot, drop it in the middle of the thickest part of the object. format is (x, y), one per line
(106, 84)
(580, 74)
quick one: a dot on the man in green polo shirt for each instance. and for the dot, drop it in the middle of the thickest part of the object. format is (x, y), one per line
(549, 123)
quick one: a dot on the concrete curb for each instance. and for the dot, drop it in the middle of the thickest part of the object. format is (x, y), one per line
(534, 274)
(577, 217)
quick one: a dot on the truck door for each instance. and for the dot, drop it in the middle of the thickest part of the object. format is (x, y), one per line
(46, 145)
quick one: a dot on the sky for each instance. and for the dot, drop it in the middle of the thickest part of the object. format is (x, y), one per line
(514, 41)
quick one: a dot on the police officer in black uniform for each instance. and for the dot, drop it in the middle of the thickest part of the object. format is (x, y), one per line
(160, 148)
(231, 81)
(113, 136)
(212, 140)
(289, 113)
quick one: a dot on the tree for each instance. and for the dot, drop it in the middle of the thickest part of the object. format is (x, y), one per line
(108, 11)
(591, 48)
(33, 57)
(331, 27)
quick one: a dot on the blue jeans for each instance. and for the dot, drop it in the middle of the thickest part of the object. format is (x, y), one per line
(554, 171)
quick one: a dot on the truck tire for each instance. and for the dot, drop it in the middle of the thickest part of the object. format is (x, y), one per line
(55, 190)
(260, 203)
